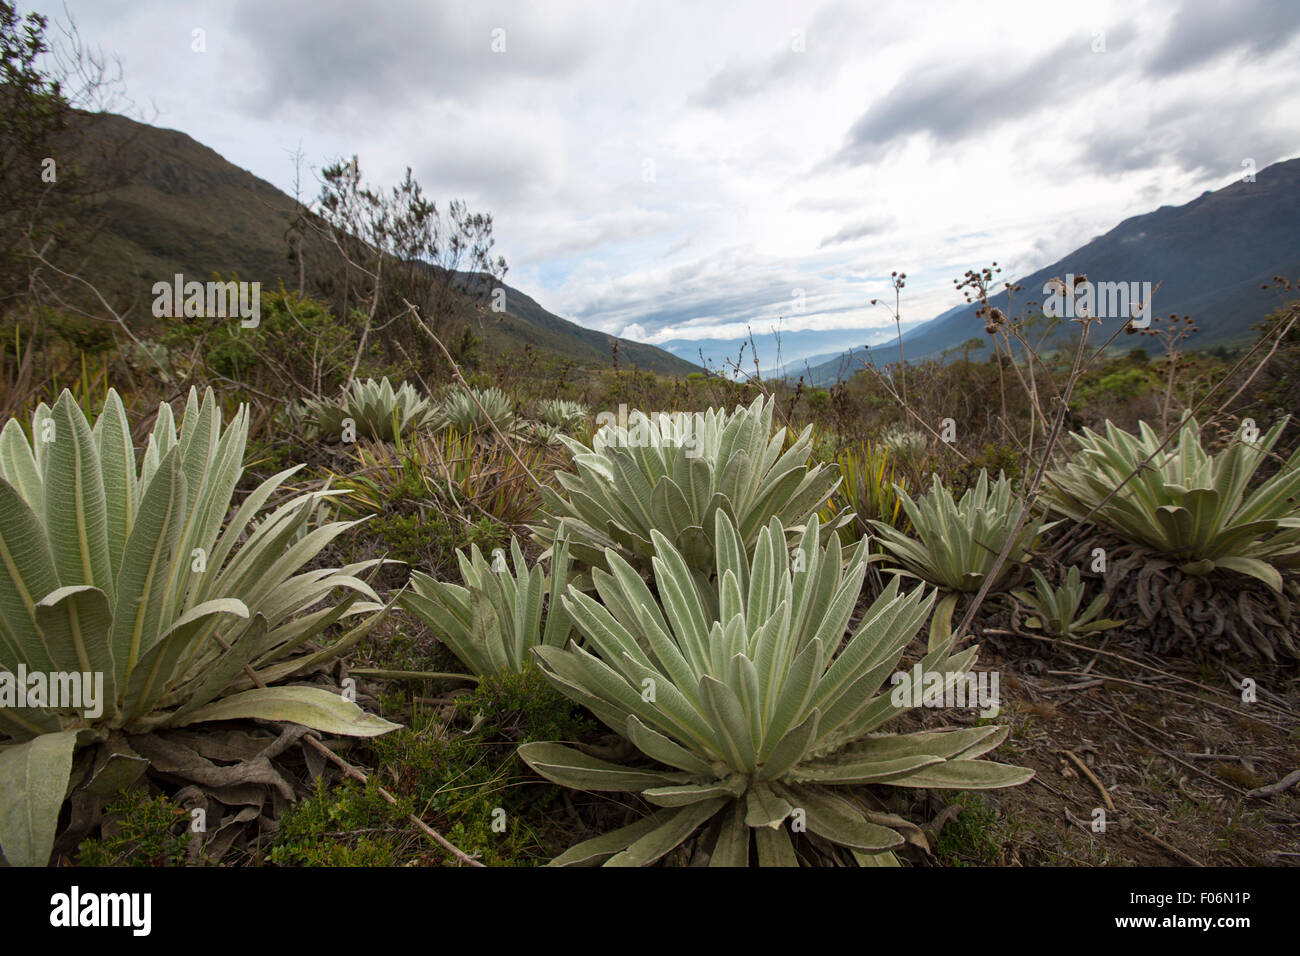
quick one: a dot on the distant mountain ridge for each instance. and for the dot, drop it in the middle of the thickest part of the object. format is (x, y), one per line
(1210, 257)
(185, 209)
(780, 352)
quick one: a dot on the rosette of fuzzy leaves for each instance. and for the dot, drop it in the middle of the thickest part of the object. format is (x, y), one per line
(757, 703)
(135, 576)
(467, 411)
(955, 542)
(494, 620)
(1057, 609)
(377, 410)
(1184, 503)
(674, 473)
(562, 414)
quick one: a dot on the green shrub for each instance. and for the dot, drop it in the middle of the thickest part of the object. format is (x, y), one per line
(139, 830)
(462, 783)
(348, 825)
(869, 488)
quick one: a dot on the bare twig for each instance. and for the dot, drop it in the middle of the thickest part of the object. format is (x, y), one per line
(1273, 789)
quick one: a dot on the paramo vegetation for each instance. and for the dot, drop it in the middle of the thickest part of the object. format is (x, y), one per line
(358, 587)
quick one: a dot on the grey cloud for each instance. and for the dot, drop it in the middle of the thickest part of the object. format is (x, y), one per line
(694, 292)
(740, 81)
(374, 55)
(954, 103)
(468, 169)
(1203, 31)
(720, 289)
(1194, 135)
(827, 40)
(858, 231)
(609, 231)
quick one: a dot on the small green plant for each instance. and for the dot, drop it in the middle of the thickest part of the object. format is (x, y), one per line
(349, 825)
(457, 475)
(431, 540)
(467, 411)
(469, 784)
(1057, 609)
(139, 830)
(904, 442)
(957, 542)
(493, 622)
(540, 433)
(869, 488)
(375, 410)
(563, 415)
(971, 838)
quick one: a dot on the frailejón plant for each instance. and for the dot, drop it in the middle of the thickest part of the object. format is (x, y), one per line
(494, 620)
(375, 410)
(674, 473)
(1186, 504)
(756, 702)
(957, 542)
(129, 585)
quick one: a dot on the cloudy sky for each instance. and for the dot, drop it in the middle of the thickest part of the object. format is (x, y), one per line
(665, 169)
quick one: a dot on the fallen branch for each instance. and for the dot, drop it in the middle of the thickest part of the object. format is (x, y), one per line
(1192, 861)
(1078, 762)
(1273, 789)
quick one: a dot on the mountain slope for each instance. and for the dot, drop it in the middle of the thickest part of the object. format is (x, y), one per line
(1210, 257)
(780, 352)
(181, 207)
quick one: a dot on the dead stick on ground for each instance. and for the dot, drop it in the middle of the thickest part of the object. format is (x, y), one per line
(1084, 685)
(429, 831)
(1165, 690)
(1273, 789)
(1169, 847)
(1087, 772)
(1115, 716)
